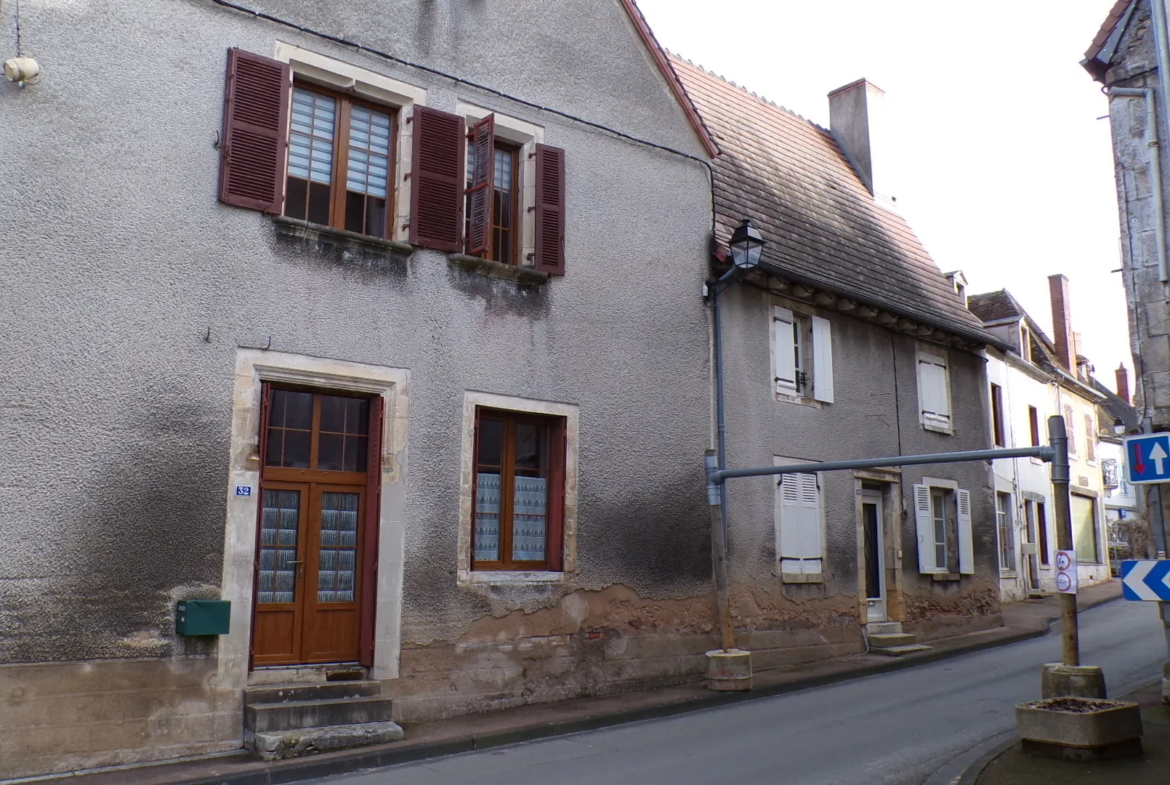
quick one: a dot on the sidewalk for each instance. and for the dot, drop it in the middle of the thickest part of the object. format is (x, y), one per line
(1013, 767)
(1022, 620)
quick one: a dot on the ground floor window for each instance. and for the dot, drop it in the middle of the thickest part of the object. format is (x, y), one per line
(518, 511)
(1007, 531)
(943, 515)
(1086, 543)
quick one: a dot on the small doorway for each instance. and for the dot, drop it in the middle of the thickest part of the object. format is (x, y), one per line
(317, 530)
(1031, 562)
(873, 551)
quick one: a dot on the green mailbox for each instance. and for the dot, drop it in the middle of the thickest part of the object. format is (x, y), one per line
(203, 617)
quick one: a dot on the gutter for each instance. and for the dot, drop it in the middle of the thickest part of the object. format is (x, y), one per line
(1152, 142)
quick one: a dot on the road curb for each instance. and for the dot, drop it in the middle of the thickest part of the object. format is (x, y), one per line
(971, 775)
(300, 769)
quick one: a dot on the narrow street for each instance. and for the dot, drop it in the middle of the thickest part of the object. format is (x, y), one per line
(892, 729)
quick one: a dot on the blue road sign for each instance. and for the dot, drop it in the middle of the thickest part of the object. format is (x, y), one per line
(1146, 580)
(1148, 458)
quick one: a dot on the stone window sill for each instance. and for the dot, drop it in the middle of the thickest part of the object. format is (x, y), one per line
(801, 577)
(510, 578)
(944, 577)
(294, 227)
(1008, 574)
(526, 276)
(937, 428)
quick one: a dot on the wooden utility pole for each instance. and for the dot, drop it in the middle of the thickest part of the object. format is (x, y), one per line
(1058, 438)
(719, 556)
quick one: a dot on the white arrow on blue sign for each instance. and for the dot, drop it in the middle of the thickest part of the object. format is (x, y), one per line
(1146, 580)
(1148, 458)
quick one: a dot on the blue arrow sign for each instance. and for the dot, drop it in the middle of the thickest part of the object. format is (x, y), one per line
(1146, 580)
(1147, 458)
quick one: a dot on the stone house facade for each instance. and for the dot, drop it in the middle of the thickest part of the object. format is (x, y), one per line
(847, 342)
(388, 333)
(1130, 57)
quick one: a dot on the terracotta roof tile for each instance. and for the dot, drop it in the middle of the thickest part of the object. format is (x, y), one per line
(821, 224)
(1106, 30)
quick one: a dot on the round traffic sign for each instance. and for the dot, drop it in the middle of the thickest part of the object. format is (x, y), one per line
(1062, 561)
(1063, 581)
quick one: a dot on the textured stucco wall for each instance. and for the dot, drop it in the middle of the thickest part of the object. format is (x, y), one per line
(127, 289)
(875, 413)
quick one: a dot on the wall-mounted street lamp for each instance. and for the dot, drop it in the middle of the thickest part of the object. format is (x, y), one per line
(747, 246)
(1119, 427)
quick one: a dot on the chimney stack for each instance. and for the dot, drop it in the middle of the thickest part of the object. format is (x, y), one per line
(1062, 322)
(856, 122)
(1122, 383)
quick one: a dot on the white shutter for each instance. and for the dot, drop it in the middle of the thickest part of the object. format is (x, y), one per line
(810, 523)
(944, 400)
(788, 544)
(966, 541)
(925, 523)
(785, 349)
(822, 340)
(932, 388)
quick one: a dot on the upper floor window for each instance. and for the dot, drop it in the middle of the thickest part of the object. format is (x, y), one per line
(934, 395)
(802, 350)
(1070, 429)
(492, 201)
(1034, 425)
(1090, 438)
(339, 162)
(997, 433)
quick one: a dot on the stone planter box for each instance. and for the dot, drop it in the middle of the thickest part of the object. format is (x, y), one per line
(1080, 728)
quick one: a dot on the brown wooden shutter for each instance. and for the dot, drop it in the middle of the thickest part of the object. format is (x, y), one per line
(556, 498)
(483, 177)
(255, 132)
(437, 180)
(265, 408)
(373, 517)
(550, 209)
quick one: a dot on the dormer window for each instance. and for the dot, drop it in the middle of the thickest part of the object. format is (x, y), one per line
(1025, 343)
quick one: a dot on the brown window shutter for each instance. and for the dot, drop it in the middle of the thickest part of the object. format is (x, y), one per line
(437, 180)
(255, 132)
(550, 209)
(556, 498)
(483, 177)
(368, 570)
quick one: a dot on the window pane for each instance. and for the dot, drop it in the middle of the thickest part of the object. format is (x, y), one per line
(530, 447)
(338, 557)
(330, 452)
(1084, 520)
(369, 152)
(296, 449)
(487, 516)
(310, 155)
(491, 440)
(278, 546)
(291, 410)
(529, 518)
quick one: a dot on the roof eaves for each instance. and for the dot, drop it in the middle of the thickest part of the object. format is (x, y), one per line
(668, 73)
(1101, 51)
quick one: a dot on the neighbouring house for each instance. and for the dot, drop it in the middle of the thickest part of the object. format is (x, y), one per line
(847, 342)
(1130, 57)
(1029, 382)
(382, 323)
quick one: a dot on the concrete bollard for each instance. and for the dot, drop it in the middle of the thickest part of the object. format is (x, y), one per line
(1079, 681)
(729, 671)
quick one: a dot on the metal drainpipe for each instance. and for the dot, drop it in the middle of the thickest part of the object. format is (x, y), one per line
(1155, 165)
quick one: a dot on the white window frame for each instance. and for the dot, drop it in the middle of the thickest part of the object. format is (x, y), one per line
(800, 554)
(1008, 526)
(806, 329)
(924, 521)
(932, 421)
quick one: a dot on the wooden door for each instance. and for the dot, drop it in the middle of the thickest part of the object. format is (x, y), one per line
(313, 529)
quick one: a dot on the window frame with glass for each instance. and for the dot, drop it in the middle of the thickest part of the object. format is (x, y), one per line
(1005, 526)
(344, 152)
(502, 152)
(502, 456)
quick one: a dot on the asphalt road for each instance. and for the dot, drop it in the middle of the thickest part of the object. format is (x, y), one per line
(896, 728)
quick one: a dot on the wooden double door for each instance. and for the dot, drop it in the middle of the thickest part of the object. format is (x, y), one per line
(317, 529)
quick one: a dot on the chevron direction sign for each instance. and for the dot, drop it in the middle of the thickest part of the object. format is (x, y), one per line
(1146, 580)
(1148, 458)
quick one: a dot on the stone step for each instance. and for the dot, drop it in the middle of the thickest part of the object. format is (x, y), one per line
(899, 651)
(297, 715)
(326, 690)
(891, 640)
(884, 627)
(277, 745)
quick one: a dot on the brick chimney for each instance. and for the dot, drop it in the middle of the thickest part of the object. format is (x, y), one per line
(1062, 322)
(1122, 383)
(856, 123)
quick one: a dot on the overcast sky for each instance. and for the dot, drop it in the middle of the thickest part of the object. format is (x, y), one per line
(996, 154)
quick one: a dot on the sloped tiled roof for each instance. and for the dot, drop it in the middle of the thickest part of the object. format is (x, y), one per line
(1097, 56)
(993, 306)
(821, 225)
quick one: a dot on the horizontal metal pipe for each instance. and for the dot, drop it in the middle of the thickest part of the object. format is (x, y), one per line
(1043, 452)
